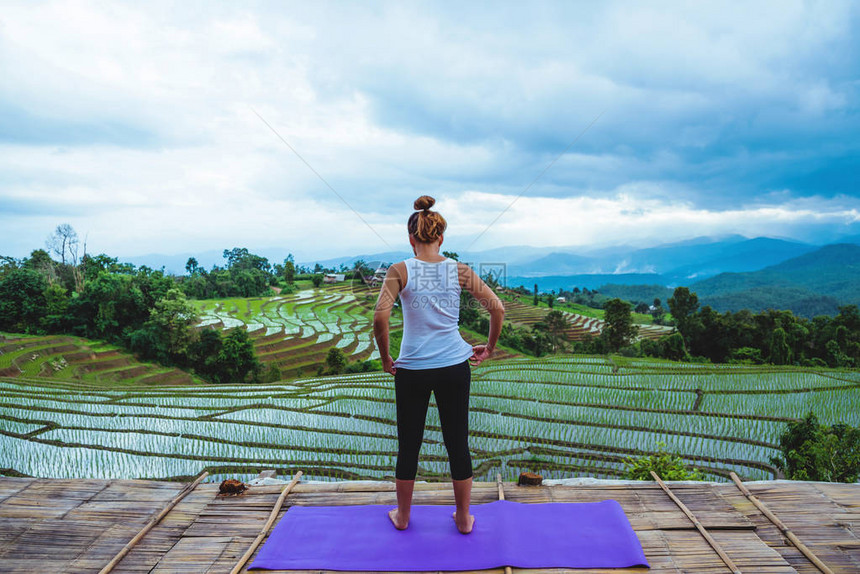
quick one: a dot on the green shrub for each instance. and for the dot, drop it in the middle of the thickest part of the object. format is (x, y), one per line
(812, 451)
(271, 373)
(746, 356)
(668, 466)
(365, 366)
(629, 351)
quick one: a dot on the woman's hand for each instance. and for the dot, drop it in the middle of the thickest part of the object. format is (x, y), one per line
(480, 353)
(388, 364)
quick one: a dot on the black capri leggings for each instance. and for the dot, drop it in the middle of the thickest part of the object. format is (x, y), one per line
(412, 389)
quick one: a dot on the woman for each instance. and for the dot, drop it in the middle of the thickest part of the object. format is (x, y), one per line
(433, 356)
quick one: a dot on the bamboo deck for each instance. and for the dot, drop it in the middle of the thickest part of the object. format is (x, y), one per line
(79, 526)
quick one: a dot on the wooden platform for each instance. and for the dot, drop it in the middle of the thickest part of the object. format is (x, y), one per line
(78, 526)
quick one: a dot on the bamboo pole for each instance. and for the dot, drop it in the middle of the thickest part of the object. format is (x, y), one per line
(779, 524)
(502, 497)
(697, 524)
(265, 531)
(152, 522)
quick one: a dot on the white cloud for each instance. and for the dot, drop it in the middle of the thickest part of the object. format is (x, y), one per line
(142, 131)
(626, 218)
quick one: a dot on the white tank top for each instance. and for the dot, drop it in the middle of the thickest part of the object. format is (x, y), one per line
(431, 309)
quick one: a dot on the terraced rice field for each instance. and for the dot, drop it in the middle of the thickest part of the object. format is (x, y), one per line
(73, 358)
(579, 326)
(560, 416)
(295, 332)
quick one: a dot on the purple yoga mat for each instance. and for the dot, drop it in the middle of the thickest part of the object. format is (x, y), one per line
(506, 533)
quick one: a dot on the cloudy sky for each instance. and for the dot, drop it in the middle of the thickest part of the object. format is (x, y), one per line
(165, 127)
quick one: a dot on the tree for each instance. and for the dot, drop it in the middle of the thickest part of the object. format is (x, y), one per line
(468, 309)
(538, 341)
(64, 240)
(289, 269)
(618, 329)
(682, 305)
(22, 301)
(360, 269)
(491, 280)
(7, 265)
(191, 266)
(236, 359)
(556, 322)
(551, 329)
(40, 260)
(169, 327)
(335, 361)
(780, 352)
(240, 259)
(203, 353)
(56, 304)
(672, 347)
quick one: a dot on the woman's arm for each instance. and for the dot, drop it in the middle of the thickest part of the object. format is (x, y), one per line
(382, 313)
(489, 301)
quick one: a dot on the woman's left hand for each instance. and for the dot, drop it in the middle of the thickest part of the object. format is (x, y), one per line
(388, 365)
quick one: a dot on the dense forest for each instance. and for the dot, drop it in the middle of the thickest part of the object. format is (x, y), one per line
(703, 334)
(776, 337)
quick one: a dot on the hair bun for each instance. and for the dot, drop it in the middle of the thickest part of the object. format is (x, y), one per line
(424, 202)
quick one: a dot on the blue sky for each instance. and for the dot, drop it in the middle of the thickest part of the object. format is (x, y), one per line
(136, 123)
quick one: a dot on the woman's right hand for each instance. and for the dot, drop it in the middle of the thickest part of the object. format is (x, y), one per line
(480, 353)
(388, 365)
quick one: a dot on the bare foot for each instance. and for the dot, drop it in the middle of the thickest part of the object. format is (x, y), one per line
(395, 519)
(467, 529)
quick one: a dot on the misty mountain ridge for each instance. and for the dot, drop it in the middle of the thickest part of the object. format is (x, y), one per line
(832, 269)
(678, 263)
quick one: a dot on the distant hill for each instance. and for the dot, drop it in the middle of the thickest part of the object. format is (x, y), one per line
(855, 239)
(809, 284)
(637, 293)
(589, 280)
(677, 262)
(748, 255)
(556, 263)
(801, 302)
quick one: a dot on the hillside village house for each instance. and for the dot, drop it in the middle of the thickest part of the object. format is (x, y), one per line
(377, 278)
(333, 277)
